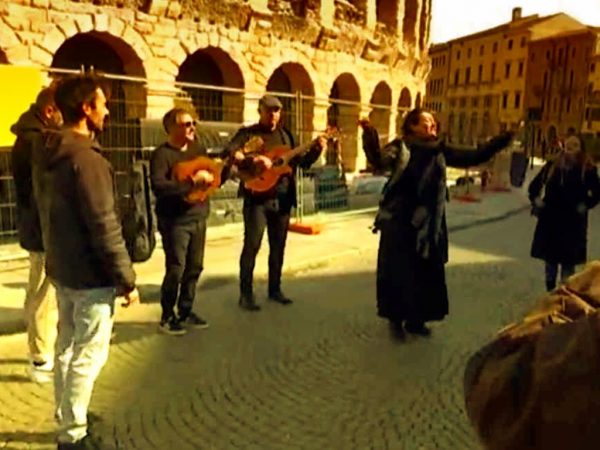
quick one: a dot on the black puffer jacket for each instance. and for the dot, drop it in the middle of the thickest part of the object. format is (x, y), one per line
(29, 130)
(85, 247)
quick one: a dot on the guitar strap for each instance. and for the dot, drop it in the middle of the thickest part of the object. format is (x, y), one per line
(286, 137)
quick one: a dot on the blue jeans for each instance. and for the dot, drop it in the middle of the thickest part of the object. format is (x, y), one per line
(85, 320)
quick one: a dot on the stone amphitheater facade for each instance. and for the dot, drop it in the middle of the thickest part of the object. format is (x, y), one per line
(370, 56)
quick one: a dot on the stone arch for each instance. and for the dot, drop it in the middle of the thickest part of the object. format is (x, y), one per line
(409, 22)
(343, 112)
(404, 105)
(211, 66)
(108, 54)
(381, 103)
(418, 101)
(286, 81)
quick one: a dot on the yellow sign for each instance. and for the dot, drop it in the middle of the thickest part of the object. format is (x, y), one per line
(19, 86)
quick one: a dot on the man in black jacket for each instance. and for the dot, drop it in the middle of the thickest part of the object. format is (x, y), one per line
(40, 306)
(181, 224)
(86, 258)
(271, 209)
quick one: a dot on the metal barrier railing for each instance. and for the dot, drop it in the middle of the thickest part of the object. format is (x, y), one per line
(130, 135)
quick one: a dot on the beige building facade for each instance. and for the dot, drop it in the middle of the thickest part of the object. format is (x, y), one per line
(334, 59)
(484, 88)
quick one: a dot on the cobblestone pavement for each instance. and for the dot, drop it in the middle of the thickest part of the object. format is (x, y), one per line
(320, 374)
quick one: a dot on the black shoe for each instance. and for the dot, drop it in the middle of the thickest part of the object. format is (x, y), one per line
(193, 320)
(280, 298)
(248, 302)
(397, 331)
(172, 327)
(417, 328)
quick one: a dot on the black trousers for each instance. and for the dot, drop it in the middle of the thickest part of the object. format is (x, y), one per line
(257, 217)
(184, 255)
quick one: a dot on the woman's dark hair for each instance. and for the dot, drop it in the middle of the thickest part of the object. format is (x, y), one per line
(412, 119)
(75, 91)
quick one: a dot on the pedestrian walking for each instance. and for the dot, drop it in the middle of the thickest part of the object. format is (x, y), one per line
(40, 303)
(413, 248)
(561, 195)
(86, 257)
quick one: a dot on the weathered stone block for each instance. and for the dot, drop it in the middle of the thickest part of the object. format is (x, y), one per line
(116, 26)
(20, 17)
(84, 23)
(60, 5)
(41, 3)
(18, 54)
(40, 56)
(158, 7)
(143, 17)
(101, 22)
(174, 10)
(8, 36)
(214, 38)
(28, 37)
(144, 28)
(53, 40)
(166, 28)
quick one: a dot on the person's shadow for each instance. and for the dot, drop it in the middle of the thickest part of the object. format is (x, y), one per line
(21, 437)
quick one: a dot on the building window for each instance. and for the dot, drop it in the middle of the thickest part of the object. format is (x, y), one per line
(568, 105)
(593, 67)
(456, 75)
(521, 67)
(458, 55)
(452, 102)
(517, 100)
(468, 75)
(468, 53)
(523, 41)
(571, 80)
(510, 44)
(555, 107)
(462, 103)
(507, 70)
(532, 57)
(475, 102)
(495, 47)
(481, 50)
(548, 55)
(505, 100)
(493, 74)
(573, 53)
(480, 73)
(560, 55)
(545, 80)
(487, 101)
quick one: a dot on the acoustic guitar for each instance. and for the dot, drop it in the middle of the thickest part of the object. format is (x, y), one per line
(281, 157)
(185, 170)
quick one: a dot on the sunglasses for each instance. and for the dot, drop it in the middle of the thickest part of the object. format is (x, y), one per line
(189, 124)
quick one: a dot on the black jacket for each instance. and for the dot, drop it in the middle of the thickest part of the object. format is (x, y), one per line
(170, 194)
(29, 144)
(561, 231)
(85, 247)
(285, 190)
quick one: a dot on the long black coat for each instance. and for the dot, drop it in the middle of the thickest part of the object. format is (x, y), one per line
(561, 231)
(413, 248)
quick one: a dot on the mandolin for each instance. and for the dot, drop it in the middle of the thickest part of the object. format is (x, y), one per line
(281, 157)
(185, 170)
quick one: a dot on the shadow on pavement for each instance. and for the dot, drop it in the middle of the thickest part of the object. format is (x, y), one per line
(24, 437)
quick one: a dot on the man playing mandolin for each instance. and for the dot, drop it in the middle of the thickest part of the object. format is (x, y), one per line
(181, 223)
(271, 208)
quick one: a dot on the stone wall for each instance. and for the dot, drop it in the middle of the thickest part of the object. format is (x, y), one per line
(153, 38)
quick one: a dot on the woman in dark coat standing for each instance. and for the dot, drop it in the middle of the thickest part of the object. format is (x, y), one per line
(561, 195)
(413, 248)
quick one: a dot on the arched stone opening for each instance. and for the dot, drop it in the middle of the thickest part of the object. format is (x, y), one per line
(404, 105)
(343, 113)
(110, 55)
(3, 57)
(292, 84)
(381, 102)
(409, 23)
(223, 101)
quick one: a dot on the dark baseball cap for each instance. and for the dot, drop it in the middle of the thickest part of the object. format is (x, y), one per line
(270, 101)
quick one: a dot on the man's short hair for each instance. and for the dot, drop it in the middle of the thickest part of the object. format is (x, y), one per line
(170, 118)
(75, 91)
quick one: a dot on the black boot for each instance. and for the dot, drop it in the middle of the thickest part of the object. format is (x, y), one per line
(279, 297)
(417, 328)
(248, 302)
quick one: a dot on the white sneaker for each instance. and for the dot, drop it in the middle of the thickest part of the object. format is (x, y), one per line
(42, 373)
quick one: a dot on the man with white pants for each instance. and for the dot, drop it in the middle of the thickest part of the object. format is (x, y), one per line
(86, 257)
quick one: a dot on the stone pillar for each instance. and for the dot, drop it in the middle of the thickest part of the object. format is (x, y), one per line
(160, 98)
(250, 108)
(371, 14)
(327, 13)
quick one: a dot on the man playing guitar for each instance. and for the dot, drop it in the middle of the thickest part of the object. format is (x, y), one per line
(182, 224)
(270, 209)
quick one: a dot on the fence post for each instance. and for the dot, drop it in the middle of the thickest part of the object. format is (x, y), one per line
(299, 172)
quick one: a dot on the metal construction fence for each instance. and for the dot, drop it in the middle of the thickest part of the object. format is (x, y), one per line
(336, 182)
